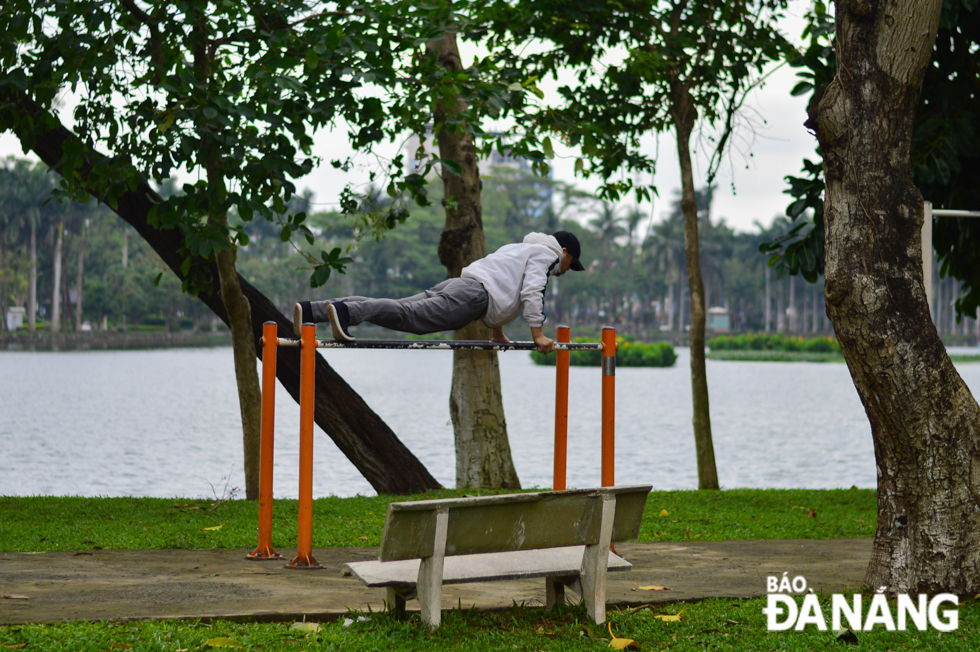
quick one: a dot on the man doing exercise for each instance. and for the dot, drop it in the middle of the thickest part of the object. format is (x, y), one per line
(509, 282)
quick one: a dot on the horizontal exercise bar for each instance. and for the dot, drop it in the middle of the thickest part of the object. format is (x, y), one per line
(943, 212)
(478, 345)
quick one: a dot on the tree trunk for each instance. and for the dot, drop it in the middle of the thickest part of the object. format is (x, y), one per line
(768, 301)
(32, 274)
(242, 343)
(924, 422)
(78, 282)
(476, 406)
(680, 302)
(236, 306)
(56, 281)
(780, 309)
(357, 431)
(684, 115)
(3, 278)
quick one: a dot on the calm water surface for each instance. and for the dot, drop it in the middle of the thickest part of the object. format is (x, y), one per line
(166, 423)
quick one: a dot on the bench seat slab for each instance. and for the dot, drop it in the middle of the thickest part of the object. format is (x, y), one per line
(485, 567)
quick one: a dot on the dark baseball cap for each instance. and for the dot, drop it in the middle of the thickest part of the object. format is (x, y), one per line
(570, 243)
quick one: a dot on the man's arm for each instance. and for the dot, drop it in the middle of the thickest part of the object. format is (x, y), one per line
(545, 344)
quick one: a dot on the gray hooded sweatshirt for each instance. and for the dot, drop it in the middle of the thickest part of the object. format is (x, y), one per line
(515, 277)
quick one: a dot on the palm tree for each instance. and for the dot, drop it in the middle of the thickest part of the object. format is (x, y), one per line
(33, 188)
(607, 224)
(664, 255)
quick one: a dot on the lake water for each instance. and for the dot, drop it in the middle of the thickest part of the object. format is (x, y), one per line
(166, 423)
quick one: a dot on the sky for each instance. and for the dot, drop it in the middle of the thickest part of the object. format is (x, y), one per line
(770, 144)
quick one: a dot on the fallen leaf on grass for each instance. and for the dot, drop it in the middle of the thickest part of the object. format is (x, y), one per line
(651, 587)
(14, 597)
(120, 646)
(812, 514)
(212, 529)
(18, 646)
(671, 618)
(622, 643)
(663, 513)
(223, 641)
(305, 627)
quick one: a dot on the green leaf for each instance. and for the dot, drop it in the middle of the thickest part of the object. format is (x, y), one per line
(548, 149)
(321, 275)
(453, 167)
(312, 60)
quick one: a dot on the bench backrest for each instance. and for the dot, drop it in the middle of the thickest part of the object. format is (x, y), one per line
(525, 521)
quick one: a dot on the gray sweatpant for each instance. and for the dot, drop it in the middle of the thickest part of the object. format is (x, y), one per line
(449, 306)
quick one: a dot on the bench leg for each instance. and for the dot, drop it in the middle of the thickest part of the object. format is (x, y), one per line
(594, 565)
(429, 585)
(554, 591)
(395, 602)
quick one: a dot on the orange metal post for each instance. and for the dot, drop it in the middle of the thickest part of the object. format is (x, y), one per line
(561, 410)
(608, 406)
(304, 540)
(270, 341)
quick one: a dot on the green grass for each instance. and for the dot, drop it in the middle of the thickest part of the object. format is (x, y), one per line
(708, 625)
(50, 523)
(41, 523)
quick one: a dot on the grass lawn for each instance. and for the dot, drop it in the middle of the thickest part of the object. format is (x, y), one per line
(39, 523)
(52, 523)
(707, 625)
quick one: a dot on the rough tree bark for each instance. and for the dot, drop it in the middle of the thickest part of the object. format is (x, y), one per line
(476, 406)
(924, 421)
(684, 115)
(358, 432)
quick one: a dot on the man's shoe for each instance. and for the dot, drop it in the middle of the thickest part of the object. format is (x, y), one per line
(339, 316)
(302, 314)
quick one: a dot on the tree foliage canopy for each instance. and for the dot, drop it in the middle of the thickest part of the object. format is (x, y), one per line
(945, 150)
(162, 88)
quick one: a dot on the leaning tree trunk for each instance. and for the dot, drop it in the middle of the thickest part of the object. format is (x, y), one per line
(684, 115)
(476, 406)
(924, 422)
(358, 432)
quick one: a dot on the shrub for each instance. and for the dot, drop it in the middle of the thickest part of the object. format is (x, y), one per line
(773, 342)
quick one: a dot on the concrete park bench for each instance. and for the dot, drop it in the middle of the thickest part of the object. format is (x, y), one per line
(563, 536)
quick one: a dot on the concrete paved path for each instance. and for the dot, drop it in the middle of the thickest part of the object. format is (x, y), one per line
(158, 584)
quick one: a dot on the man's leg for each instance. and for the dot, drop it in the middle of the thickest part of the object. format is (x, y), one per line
(448, 306)
(319, 308)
